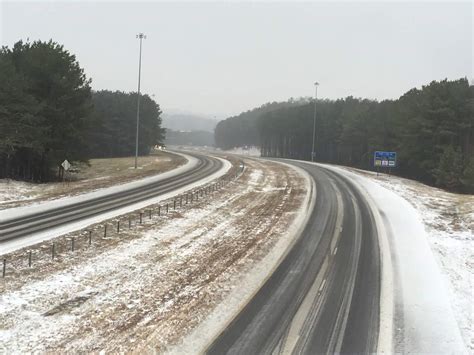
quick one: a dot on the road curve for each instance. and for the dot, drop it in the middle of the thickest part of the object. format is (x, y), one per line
(27, 224)
(324, 295)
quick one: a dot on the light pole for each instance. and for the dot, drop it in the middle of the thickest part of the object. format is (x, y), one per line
(314, 119)
(140, 36)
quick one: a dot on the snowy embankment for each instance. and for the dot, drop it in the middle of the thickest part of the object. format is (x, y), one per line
(431, 239)
(146, 287)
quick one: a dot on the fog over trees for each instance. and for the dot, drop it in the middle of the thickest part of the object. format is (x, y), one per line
(48, 113)
(431, 129)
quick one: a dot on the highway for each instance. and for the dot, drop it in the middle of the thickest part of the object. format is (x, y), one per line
(324, 295)
(30, 223)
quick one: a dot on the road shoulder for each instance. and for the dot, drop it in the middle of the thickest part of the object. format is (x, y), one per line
(423, 320)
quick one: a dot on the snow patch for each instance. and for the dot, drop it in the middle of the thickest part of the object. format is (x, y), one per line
(15, 244)
(248, 151)
(11, 190)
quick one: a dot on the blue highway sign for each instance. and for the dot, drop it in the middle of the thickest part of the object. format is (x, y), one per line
(385, 159)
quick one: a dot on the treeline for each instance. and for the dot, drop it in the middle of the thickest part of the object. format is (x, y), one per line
(114, 130)
(48, 113)
(431, 129)
(242, 130)
(189, 138)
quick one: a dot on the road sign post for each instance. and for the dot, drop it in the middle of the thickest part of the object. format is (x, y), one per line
(66, 166)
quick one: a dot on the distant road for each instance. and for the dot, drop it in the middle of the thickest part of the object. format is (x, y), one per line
(324, 296)
(26, 224)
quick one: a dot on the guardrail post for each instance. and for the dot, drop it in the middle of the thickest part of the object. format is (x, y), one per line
(141, 214)
(174, 204)
(105, 230)
(118, 226)
(72, 243)
(159, 211)
(149, 213)
(180, 201)
(29, 258)
(186, 198)
(4, 267)
(53, 250)
(90, 237)
(167, 208)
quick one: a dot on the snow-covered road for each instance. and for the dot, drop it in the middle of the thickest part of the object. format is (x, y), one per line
(148, 286)
(52, 232)
(421, 293)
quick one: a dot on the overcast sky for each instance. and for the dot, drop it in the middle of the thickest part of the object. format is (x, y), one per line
(220, 59)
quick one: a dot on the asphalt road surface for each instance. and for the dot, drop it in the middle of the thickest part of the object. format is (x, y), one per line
(22, 226)
(324, 296)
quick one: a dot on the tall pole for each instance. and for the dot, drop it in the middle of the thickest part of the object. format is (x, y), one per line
(314, 120)
(140, 36)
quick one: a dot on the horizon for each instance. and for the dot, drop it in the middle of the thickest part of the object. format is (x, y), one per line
(222, 59)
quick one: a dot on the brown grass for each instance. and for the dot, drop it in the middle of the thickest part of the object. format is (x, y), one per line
(100, 173)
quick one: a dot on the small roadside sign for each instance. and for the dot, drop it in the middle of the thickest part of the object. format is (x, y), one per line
(385, 159)
(66, 165)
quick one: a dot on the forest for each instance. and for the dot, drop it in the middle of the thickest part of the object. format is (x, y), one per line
(49, 113)
(242, 130)
(431, 129)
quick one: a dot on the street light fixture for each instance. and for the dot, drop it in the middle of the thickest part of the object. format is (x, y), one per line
(314, 120)
(140, 36)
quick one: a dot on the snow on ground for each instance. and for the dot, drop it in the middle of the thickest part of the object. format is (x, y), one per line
(14, 244)
(427, 222)
(146, 287)
(11, 190)
(102, 173)
(250, 151)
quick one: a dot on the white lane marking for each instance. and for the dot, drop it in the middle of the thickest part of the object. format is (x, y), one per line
(322, 285)
(335, 251)
(339, 217)
(299, 319)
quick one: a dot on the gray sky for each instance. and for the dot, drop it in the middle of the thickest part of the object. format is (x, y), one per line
(224, 58)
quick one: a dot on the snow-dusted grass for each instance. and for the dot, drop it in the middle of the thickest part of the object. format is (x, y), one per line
(101, 173)
(14, 244)
(448, 222)
(202, 336)
(249, 151)
(11, 190)
(148, 286)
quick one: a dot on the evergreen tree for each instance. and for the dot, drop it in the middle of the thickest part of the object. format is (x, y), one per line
(115, 132)
(48, 125)
(431, 129)
(449, 172)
